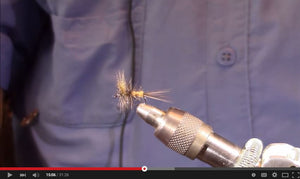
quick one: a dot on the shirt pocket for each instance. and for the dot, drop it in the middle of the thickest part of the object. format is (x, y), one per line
(78, 73)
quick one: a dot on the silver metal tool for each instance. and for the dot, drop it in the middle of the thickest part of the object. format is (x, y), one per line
(191, 137)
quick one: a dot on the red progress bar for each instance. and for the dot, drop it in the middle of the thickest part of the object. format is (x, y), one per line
(71, 168)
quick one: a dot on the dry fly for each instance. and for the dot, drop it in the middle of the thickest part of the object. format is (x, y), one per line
(127, 94)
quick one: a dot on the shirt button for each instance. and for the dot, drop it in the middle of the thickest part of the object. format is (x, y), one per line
(226, 56)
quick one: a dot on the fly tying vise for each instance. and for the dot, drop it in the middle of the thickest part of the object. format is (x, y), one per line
(127, 94)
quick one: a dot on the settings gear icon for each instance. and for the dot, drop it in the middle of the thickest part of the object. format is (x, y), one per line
(274, 175)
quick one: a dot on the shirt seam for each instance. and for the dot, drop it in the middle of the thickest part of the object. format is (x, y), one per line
(247, 4)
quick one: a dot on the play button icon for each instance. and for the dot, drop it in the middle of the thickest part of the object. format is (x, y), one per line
(9, 174)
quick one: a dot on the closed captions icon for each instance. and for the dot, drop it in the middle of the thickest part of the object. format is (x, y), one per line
(263, 175)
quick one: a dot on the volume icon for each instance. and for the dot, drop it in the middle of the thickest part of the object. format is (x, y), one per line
(36, 175)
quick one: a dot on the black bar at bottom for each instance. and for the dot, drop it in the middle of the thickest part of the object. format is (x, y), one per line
(261, 173)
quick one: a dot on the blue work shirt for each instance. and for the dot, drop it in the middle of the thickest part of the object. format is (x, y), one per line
(234, 64)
